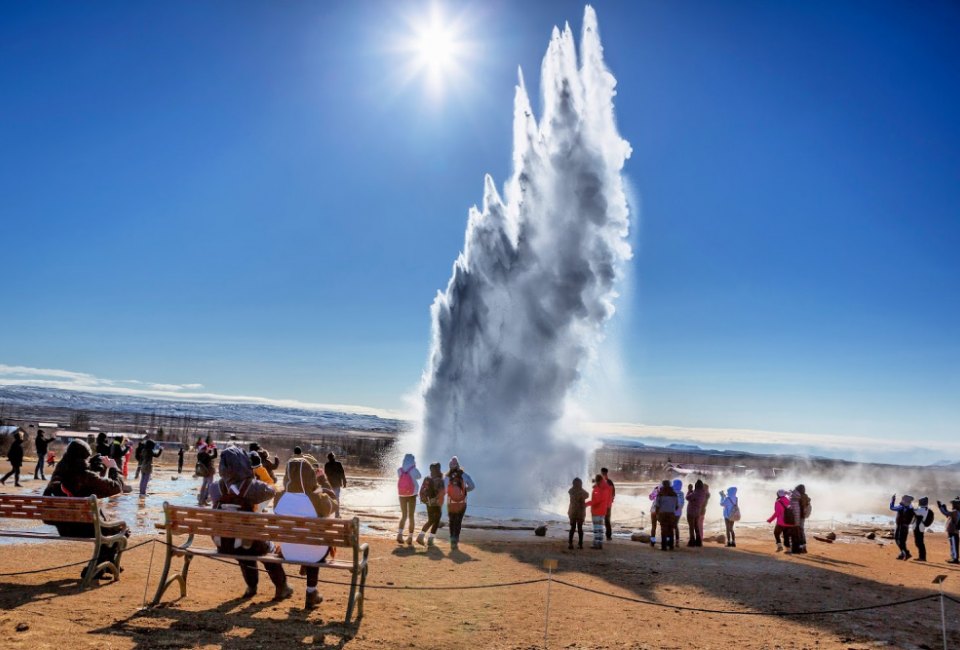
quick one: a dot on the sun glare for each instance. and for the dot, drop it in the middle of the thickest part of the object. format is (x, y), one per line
(436, 49)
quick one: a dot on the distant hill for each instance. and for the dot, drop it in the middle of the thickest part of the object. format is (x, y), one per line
(39, 398)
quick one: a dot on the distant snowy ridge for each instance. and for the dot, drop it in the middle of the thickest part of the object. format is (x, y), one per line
(31, 396)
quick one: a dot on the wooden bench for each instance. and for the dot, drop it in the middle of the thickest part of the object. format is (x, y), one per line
(80, 510)
(192, 521)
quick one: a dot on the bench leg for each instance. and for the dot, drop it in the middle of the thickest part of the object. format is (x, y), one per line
(179, 578)
(363, 584)
(91, 571)
(353, 597)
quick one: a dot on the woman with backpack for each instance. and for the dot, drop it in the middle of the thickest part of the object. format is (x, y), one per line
(431, 495)
(239, 490)
(458, 484)
(408, 486)
(731, 513)
(577, 511)
(783, 515)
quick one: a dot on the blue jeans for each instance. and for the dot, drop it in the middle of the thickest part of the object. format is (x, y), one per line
(336, 491)
(144, 479)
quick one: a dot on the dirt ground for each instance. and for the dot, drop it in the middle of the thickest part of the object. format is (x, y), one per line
(45, 610)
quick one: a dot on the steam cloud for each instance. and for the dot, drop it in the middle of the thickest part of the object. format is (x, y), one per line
(534, 285)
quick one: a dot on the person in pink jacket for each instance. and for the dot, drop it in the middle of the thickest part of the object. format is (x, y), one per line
(783, 515)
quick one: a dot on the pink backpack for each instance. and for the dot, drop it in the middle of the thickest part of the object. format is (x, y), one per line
(405, 484)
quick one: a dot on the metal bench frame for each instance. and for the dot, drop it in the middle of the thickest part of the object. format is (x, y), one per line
(81, 510)
(192, 521)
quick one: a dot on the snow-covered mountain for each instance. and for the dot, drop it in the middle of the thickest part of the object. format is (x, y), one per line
(39, 397)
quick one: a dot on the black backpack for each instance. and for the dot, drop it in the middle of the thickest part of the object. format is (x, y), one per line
(928, 519)
(789, 516)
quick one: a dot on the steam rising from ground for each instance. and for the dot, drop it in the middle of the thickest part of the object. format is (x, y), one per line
(534, 285)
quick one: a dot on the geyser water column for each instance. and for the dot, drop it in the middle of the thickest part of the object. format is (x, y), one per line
(529, 295)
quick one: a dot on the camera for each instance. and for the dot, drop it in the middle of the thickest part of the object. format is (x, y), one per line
(96, 463)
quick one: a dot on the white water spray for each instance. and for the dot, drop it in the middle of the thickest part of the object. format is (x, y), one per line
(534, 285)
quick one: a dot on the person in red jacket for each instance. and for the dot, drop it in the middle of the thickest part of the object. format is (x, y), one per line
(599, 502)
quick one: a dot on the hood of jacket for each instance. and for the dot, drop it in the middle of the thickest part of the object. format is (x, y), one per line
(301, 477)
(409, 462)
(732, 492)
(235, 466)
(677, 485)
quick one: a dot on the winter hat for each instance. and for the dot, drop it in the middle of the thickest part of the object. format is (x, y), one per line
(924, 501)
(254, 446)
(454, 463)
(781, 493)
(906, 500)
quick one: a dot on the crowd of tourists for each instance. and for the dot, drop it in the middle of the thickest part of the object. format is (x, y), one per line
(435, 490)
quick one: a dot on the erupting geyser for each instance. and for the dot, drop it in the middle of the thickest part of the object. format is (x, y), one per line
(532, 289)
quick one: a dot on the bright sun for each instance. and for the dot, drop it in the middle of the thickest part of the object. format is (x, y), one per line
(436, 49)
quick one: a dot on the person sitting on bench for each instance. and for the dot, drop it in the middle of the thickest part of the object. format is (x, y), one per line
(305, 498)
(80, 474)
(239, 490)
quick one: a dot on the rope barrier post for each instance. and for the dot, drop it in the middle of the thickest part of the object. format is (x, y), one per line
(146, 582)
(549, 565)
(943, 615)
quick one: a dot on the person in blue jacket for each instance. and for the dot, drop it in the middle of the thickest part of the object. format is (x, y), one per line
(905, 515)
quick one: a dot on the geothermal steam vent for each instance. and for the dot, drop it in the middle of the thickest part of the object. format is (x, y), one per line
(534, 286)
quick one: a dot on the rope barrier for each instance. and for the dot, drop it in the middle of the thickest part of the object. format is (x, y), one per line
(518, 583)
(67, 566)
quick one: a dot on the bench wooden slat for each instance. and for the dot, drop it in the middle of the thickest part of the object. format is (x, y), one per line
(269, 557)
(62, 509)
(261, 527)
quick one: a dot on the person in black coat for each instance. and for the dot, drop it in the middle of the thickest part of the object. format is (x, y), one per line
(15, 456)
(337, 477)
(41, 443)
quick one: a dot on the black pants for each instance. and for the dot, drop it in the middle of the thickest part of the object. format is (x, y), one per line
(731, 536)
(15, 473)
(668, 522)
(800, 534)
(576, 525)
(38, 473)
(921, 547)
(653, 523)
(779, 530)
(900, 537)
(433, 519)
(248, 568)
(692, 521)
(456, 521)
(606, 522)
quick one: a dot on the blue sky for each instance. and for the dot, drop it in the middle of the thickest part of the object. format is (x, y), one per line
(255, 198)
